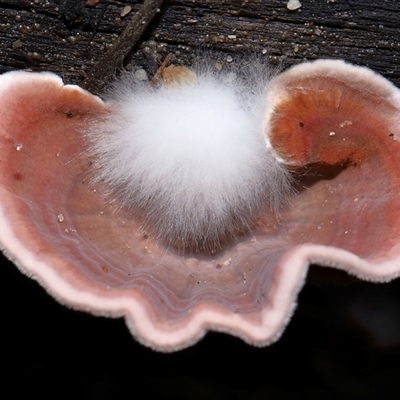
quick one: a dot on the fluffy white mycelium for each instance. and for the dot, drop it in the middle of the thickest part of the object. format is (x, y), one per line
(190, 158)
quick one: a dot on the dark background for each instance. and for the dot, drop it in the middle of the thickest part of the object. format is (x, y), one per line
(342, 343)
(344, 339)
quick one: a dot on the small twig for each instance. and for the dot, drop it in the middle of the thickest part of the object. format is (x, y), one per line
(105, 68)
(161, 69)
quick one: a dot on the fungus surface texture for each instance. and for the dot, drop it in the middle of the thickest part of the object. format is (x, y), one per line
(334, 126)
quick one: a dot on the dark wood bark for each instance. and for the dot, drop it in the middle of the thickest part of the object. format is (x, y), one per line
(69, 37)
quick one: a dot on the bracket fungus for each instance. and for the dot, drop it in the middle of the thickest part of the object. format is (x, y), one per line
(333, 126)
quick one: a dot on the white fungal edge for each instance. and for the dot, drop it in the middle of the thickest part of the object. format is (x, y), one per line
(360, 78)
(289, 278)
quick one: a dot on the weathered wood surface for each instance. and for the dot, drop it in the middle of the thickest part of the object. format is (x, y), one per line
(69, 36)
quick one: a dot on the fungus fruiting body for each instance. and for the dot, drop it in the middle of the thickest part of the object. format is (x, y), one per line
(97, 246)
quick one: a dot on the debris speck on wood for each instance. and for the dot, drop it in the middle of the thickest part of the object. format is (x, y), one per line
(92, 3)
(125, 11)
(293, 5)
